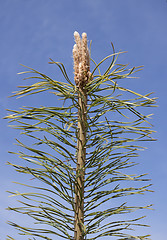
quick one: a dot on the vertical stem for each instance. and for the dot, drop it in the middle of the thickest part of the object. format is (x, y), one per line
(80, 170)
(81, 76)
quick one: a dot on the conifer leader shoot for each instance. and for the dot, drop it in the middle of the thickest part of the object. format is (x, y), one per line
(80, 161)
(81, 76)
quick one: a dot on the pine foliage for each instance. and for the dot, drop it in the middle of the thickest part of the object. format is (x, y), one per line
(114, 127)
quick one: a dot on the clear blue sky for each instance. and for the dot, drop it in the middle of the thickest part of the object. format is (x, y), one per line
(32, 31)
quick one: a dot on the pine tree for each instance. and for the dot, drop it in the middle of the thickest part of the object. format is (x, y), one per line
(81, 151)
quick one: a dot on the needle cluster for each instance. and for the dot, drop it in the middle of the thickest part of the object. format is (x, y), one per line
(81, 164)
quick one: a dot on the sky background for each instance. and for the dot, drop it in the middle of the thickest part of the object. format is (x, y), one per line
(32, 31)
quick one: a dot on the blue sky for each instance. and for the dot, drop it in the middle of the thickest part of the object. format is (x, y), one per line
(34, 30)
